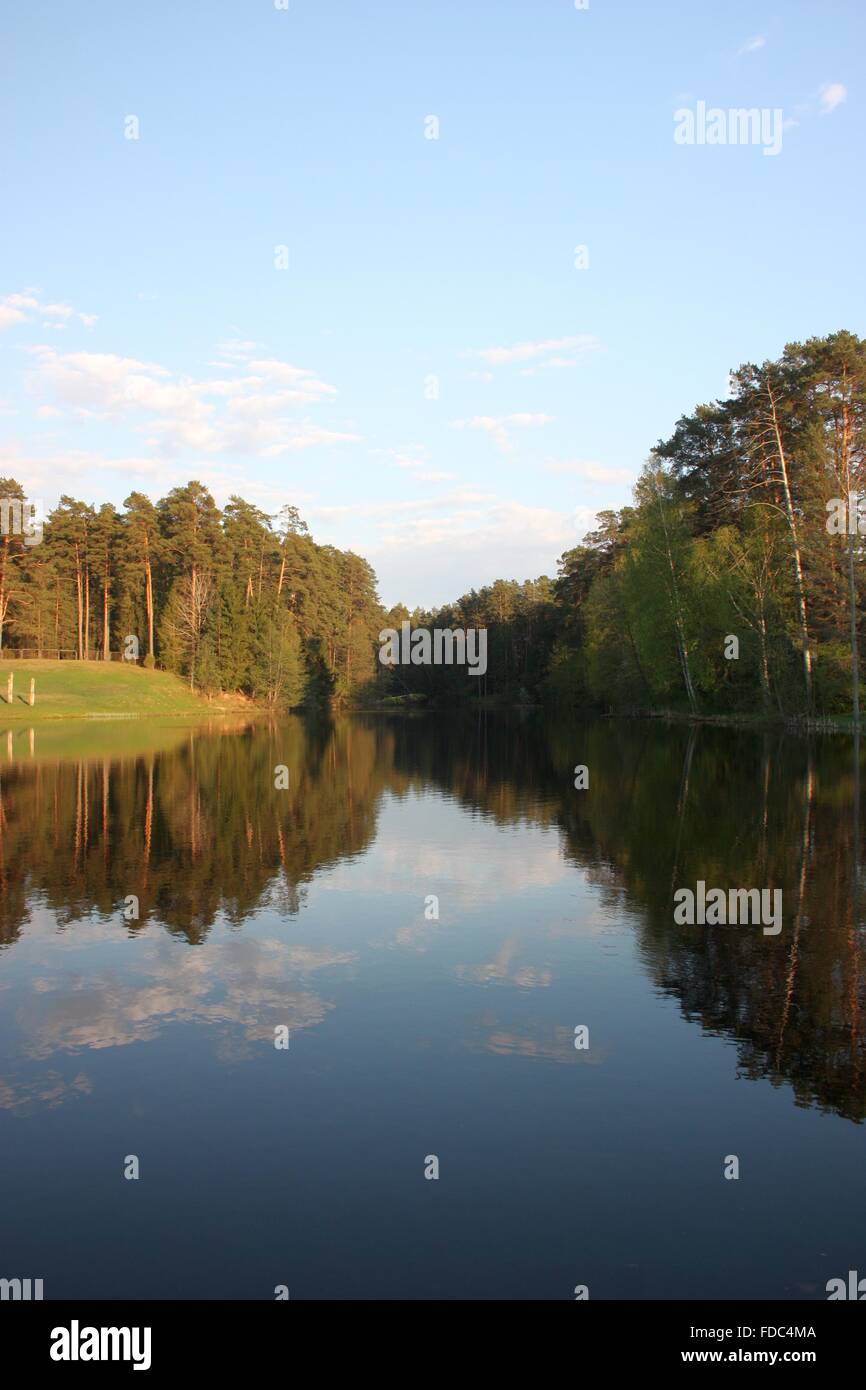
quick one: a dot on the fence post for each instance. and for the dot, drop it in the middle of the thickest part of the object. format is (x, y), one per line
(32, 691)
(9, 683)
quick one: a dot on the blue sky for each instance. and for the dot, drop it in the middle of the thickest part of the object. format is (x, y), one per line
(432, 380)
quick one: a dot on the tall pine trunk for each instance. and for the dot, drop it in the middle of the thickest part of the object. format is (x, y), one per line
(852, 586)
(795, 550)
(106, 579)
(79, 603)
(148, 597)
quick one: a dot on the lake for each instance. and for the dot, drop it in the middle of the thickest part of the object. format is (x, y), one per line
(475, 966)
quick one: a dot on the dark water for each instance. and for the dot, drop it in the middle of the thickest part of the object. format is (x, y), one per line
(412, 1036)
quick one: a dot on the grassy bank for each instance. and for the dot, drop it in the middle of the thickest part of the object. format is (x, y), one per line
(95, 690)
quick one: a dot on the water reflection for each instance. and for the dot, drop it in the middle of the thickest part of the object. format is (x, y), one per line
(416, 1031)
(199, 833)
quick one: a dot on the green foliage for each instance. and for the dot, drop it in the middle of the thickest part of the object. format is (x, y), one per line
(565, 682)
(223, 599)
(727, 538)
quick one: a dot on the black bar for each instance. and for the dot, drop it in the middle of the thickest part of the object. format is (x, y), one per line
(244, 1336)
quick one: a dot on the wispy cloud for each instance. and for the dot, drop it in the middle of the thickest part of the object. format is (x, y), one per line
(821, 103)
(499, 426)
(483, 535)
(246, 414)
(526, 352)
(28, 308)
(752, 45)
(47, 474)
(233, 350)
(831, 95)
(413, 460)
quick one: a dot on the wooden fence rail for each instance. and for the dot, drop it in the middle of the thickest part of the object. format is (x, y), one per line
(57, 654)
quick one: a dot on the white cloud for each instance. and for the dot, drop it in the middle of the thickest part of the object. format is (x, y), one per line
(298, 379)
(48, 475)
(831, 95)
(399, 512)
(248, 414)
(525, 352)
(413, 460)
(498, 426)
(25, 308)
(9, 314)
(401, 460)
(236, 349)
(753, 44)
(436, 549)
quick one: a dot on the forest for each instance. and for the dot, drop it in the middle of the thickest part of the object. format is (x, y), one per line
(232, 600)
(737, 530)
(727, 586)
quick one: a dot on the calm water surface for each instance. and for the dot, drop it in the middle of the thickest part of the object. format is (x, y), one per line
(412, 1035)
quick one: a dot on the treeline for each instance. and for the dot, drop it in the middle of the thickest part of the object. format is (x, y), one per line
(734, 583)
(232, 600)
(727, 587)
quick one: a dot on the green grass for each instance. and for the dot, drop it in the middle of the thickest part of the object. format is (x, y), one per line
(94, 690)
